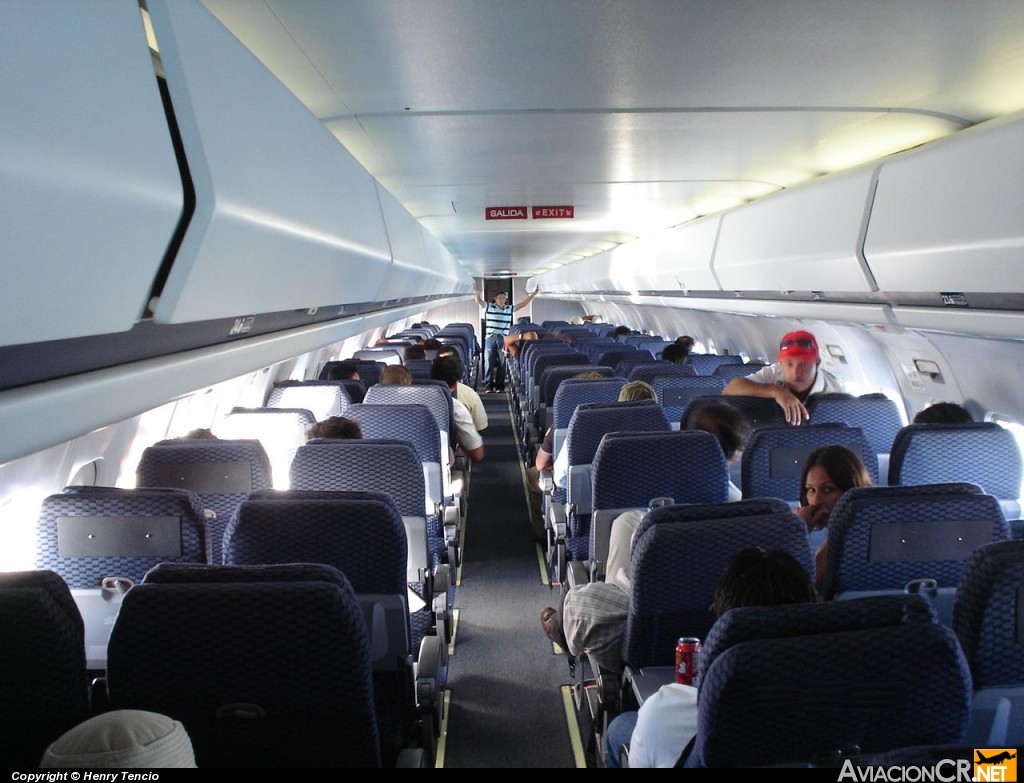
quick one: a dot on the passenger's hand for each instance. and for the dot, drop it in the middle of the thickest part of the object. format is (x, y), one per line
(815, 517)
(795, 411)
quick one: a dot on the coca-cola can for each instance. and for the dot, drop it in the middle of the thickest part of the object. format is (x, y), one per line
(687, 659)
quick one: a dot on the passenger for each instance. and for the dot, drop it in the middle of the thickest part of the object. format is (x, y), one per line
(414, 353)
(687, 342)
(675, 353)
(396, 375)
(343, 372)
(198, 434)
(513, 341)
(335, 427)
(619, 331)
(827, 474)
(730, 427)
(122, 739)
(498, 321)
(432, 344)
(658, 733)
(544, 461)
(448, 368)
(943, 413)
(791, 380)
(633, 391)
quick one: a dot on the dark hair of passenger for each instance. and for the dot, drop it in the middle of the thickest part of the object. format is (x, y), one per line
(343, 372)
(413, 353)
(589, 375)
(620, 330)
(726, 423)
(686, 341)
(843, 466)
(417, 325)
(202, 433)
(637, 390)
(943, 413)
(395, 375)
(447, 350)
(763, 577)
(335, 427)
(675, 353)
(447, 368)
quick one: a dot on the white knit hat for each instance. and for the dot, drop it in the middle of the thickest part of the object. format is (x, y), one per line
(123, 739)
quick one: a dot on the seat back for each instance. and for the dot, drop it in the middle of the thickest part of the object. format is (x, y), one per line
(774, 457)
(875, 689)
(630, 469)
(982, 453)
(369, 370)
(679, 554)
(881, 539)
(103, 540)
(877, 416)
(221, 472)
(707, 363)
(759, 411)
(729, 371)
(388, 466)
(987, 620)
(676, 392)
(321, 398)
(289, 682)
(384, 354)
(279, 430)
(412, 423)
(573, 392)
(42, 665)
(589, 424)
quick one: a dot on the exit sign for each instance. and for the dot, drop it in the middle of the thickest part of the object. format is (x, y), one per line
(547, 213)
(505, 213)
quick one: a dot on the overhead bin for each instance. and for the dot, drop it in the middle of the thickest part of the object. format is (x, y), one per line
(676, 259)
(420, 265)
(278, 199)
(948, 217)
(91, 192)
(804, 239)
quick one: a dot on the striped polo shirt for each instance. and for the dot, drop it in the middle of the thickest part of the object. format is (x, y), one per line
(498, 320)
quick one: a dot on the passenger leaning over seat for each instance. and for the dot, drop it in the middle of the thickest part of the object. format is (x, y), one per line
(658, 733)
(593, 616)
(634, 391)
(828, 472)
(790, 381)
(730, 427)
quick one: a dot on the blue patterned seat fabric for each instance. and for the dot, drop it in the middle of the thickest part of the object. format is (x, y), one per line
(884, 538)
(874, 689)
(773, 459)
(42, 665)
(630, 469)
(264, 667)
(982, 453)
(679, 554)
(221, 472)
(987, 620)
(707, 363)
(676, 392)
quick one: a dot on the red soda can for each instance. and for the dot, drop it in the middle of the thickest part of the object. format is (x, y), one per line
(687, 659)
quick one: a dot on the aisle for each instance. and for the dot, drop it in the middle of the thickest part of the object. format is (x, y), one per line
(506, 705)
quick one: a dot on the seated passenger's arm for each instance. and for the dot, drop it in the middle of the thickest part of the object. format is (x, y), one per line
(561, 471)
(544, 460)
(791, 406)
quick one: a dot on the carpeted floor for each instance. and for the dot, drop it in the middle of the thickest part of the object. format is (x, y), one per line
(506, 706)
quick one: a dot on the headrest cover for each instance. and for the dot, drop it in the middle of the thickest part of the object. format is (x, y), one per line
(123, 739)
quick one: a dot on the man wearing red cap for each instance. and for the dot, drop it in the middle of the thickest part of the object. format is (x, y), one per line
(791, 380)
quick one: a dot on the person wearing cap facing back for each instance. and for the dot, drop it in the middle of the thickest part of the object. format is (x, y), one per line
(790, 381)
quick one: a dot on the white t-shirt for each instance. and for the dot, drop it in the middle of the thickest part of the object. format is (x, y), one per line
(823, 382)
(465, 433)
(664, 725)
(471, 400)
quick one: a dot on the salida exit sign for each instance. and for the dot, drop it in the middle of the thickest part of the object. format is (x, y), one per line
(524, 213)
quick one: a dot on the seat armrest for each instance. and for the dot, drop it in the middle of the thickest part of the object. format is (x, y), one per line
(578, 573)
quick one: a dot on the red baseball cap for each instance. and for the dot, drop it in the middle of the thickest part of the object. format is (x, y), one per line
(798, 345)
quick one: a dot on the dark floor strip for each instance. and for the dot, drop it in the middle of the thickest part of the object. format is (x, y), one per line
(506, 706)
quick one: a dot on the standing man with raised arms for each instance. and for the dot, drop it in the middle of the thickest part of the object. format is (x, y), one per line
(498, 322)
(792, 379)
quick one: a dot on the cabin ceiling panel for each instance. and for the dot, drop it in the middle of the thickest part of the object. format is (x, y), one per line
(454, 102)
(87, 206)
